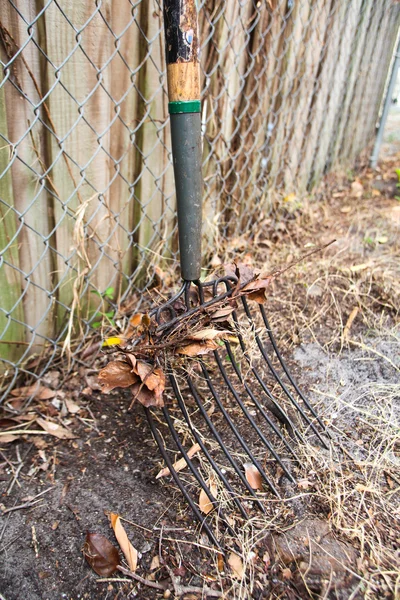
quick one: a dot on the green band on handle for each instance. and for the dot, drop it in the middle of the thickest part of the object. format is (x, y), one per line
(184, 106)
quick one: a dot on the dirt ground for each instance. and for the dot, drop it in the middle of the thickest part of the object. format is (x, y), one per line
(334, 534)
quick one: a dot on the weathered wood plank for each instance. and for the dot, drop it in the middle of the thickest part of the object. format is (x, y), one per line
(11, 308)
(25, 131)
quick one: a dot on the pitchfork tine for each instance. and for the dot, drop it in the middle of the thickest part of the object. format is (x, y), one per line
(278, 378)
(178, 482)
(236, 433)
(221, 444)
(195, 471)
(198, 439)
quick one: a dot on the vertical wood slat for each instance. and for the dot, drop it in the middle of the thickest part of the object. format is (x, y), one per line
(353, 71)
(11, 310)
(25, 132)
(339, 75)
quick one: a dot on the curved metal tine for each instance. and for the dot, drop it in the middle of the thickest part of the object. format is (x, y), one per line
(288, 374)
(196, 473)
(178, 482)
(235, 431)
(166, 304)
(198, 439)
(280, 413)
(278, 378)
(275, 429)
(250, 418)
(215, 433)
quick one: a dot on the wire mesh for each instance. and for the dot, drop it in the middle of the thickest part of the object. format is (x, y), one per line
(291, 89)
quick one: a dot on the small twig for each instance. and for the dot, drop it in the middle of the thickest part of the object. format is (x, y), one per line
(26, 504)
(180, 590)
(152, 584)
(35, 542)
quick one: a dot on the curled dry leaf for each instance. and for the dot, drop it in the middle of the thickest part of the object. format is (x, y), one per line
(129, 551)
(205, 503)
(256, 290)
(148, 390)
(236, 564)
(253, 476)
(181, 463)
(100, 553)
(116, 374)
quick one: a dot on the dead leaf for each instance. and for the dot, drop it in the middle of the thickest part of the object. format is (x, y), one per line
(72, 407)
(253, 476)
(266, 559)
(236, 564)
(155, 563)
(129, 551)
(220, 562)
(39, 391)
(205, 503)
(208, 334)
(100, 553)
(221, 314)
(116, 374)
(349, 323)
(357, 189)
(149, 390)
(286, 573)
(55, 429)
(304, 484)
(6, 423)
(179, 464)
(198, 348)
(145, 396)
(7, 438)
(256, 290)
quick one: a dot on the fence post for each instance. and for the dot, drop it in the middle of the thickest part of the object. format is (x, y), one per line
(385, 112)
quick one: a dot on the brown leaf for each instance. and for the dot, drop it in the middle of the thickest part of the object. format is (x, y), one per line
(116, 374)
(6, 423)
(181, 463)
(153, 377)
(7, 438)
(55, 429)
(255, 290)
(129, 551)
(220, 562)
(221, 314)
(236, 564)
(147, 397)
(39, 391)
(198, 348)
(304, 484)
(205, 503)
(286, 573)
(72, 406)
(208, 334)
(253, 476)
(101, 555)
(243, 272)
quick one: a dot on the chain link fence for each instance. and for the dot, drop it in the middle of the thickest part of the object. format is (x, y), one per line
(291, 89)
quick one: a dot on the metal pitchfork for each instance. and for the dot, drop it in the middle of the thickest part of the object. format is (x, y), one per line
(238, 403)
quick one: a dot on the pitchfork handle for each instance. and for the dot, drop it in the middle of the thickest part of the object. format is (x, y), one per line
(183, 75)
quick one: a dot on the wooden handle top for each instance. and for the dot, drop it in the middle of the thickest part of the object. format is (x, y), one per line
(182, 50)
